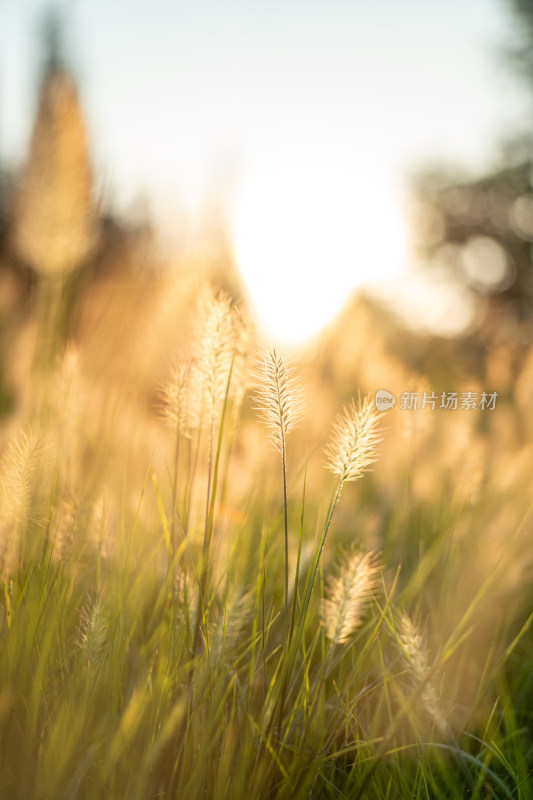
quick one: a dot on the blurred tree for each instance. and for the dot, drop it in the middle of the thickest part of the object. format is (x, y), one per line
(53, 220)
(53, 223)
(71, 269)
(520, 52)
(481, 230)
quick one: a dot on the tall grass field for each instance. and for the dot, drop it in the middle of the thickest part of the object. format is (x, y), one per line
(210, 599)
(226, 575)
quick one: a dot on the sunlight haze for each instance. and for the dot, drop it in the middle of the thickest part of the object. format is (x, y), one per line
(321, 110)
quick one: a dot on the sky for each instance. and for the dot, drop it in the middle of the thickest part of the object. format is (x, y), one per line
(307, 118)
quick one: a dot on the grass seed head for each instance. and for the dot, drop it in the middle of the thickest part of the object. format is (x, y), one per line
(218, 339)
(93, 631)
(175, 399)
(18, 469)
(414, 648)
(352, 447)
(348, 594)
(244, 342)
(416, 655)
(278, 395)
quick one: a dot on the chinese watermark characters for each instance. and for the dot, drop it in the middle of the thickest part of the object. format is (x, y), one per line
(447, 401)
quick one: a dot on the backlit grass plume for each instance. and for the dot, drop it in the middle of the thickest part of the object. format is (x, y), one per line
(416, 655)
(350, 452)
(219, 341)
(414, 648)
(343, 609)
(352, 447)
(244, 345)
(279, 402)
(278, 396)
(174, 395)
(18, 470)
(21, 493)
(215, 350)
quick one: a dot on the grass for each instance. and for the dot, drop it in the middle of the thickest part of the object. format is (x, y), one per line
(200, 625)
(185, 613)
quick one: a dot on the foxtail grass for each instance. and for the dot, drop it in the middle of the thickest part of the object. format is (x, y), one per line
(216, 349)
(175, 410)
(348, 594)
(120, 680)
(416, 655)
(279, 402)
(349, 453)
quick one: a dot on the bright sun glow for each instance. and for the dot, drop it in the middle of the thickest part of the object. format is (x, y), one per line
(306, 237)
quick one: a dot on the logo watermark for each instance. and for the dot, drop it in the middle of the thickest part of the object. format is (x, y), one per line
(384, 400)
